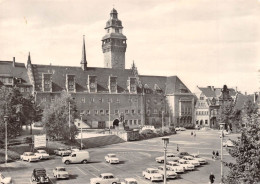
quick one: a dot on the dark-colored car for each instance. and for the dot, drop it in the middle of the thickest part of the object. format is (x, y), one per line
(182, 154)
(39, 176)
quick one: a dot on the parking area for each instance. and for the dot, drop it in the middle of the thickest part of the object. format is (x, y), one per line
(134, 158)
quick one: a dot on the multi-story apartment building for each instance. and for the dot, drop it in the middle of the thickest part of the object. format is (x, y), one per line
(209, 100)
(104, 96)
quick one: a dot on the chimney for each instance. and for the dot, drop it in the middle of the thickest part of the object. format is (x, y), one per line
(13, 61)
(255, 97)
(245, 93)
(212, 88)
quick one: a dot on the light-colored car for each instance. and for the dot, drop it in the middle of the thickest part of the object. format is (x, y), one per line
(5, 180)
(104, 178)
(42, 154)
(180, 129)
(197, 157)
(152, 174)
(169, 173)
(174, 166)
(170, 157)
(29, 156)
(228, 143)
(186, 165)
(60, 173)
(129, 181)
(81, 156)
(62, 152)
(182, 154)
(191, 160)
(111, 158)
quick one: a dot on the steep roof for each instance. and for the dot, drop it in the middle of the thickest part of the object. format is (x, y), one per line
(208, 92)
(241, 100)
(19, 71)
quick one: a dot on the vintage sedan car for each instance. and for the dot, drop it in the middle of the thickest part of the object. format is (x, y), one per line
(182, 154)
(197, 157)
(180, 129)
(152, 174)
(186, 165)
(42, 154)
(111, 158)
(191, 160)
(129, 181)
(29, 156)
(169, 173)
(62, 152)
(5, 180)
(39, 176)
(174, 166)
(60, 173)
(228, 143)
(105, 178)
(169, 157)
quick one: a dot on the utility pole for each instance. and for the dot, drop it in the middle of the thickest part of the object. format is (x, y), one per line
(109, 115)
(162, 119)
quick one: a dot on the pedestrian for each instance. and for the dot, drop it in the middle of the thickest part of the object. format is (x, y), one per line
(211, 178)
(213, 154)
(217, 154)
(191, 133)
(177, 148)
(194, 134)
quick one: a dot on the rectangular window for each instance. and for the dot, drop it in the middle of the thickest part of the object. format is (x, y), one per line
(96, 112)
(126, 111)
(135, 121)
(107, 112)
(126, 121)
(101, 100)
(139, 122)
(92, 99)
(133, 111)
(10, 80)
(109, 100)
(116, 111)
(83, 100)
(130, 122)
(52, 99)
(101, 111)
(117, 100)
(139, 111)
(88, 112)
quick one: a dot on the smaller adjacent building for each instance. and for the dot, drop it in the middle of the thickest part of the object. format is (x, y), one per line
(209, 101)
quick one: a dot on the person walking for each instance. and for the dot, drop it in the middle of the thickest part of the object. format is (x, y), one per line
(213, 154)
(191, 133)
(194, 134)
(177, 148)
(211, 178)
(217, 154)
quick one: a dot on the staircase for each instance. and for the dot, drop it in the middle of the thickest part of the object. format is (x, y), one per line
(94, 142)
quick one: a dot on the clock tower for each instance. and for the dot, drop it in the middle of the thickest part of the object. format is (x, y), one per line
(114, 43)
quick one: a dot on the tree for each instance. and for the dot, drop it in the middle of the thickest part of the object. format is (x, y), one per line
(56, 118)
(18, 108)
(226, 114)
(246, 151)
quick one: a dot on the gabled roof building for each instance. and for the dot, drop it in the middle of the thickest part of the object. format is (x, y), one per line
(104, 96)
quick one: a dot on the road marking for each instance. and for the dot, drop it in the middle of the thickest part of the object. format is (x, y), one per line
(93, 167)
(81, 171)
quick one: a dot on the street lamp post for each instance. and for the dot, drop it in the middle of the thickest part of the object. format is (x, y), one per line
(221, 154)
(5, 120)
(165, 142)
(81, 115)
(109, 115)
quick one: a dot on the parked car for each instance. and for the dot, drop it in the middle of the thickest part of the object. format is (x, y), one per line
(191, 160)
(104, 178)
(62, 152)
(182, 154)
(228, 143)
(60, 173)
(29, 156)
(111, 158)
(169, 173)
(39, 176)
(152, 174)
(180, 129)
(5, 180)
(129, 181)
(42, 154)
(174, 166)
(77, 157)
(197, 157)
(186, 165)
(169, 157)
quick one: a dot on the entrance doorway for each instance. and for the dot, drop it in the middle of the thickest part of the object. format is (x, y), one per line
(115, 123)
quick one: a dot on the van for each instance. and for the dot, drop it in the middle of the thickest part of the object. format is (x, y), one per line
(77, 157)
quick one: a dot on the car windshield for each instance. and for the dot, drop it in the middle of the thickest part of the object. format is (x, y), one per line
(42, 151)
(154, 171)
(111, 176)
(61, 169)
(132, 182)
(112, 155)
(62, 149)
(30, 154)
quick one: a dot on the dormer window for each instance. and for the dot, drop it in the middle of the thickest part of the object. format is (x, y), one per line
(92, 81)
(47, 82)
(132, 85)
(70, 83)
(112, 84)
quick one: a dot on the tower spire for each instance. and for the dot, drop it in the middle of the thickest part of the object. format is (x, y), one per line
(83, 59)
(29, 62)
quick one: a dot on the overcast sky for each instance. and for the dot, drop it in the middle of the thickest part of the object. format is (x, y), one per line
(203, 42)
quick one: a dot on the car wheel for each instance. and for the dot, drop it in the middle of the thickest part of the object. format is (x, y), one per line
(114, 183)
(67, 162)
(84, 161)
